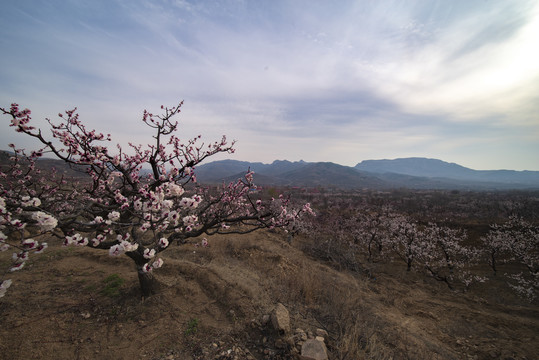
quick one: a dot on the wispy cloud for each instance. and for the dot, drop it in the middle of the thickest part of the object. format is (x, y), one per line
(341, 81)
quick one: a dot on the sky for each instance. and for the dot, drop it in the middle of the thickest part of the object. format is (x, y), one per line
(335, 80)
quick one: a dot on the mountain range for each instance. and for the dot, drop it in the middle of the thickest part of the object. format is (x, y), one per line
(413, 173)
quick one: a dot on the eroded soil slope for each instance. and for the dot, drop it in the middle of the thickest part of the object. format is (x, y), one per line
(79, 303)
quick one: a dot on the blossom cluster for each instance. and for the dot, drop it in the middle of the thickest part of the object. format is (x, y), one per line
(123, 207)
(14, 222)
(515, 240)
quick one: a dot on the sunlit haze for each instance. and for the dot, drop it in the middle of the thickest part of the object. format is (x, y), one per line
(340, 81)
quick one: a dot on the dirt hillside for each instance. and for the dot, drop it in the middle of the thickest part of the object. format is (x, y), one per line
(79, 303)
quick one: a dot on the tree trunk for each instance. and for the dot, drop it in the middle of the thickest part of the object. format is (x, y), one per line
(146, 280)
(147, 283)
(493, 261)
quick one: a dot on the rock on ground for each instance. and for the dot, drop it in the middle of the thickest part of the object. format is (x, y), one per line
(314, 349)
(280, 319)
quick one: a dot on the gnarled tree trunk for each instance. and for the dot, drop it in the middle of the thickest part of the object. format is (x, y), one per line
(146, 279)
(147, 282)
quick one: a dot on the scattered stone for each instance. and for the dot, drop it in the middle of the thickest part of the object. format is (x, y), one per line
(280, 344)
(280, 318)
(321, 332)
(314, 349)
(300, 336)
(255, 324)
(290, 341)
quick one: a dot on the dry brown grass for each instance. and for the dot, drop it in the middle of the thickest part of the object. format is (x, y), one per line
(56, 309)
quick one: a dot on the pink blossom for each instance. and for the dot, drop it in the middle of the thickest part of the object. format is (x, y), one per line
(45, 221)
(146, 268)
(148, 254)
(41, 248)
(4, 286)
(29, 244)
(97, 240)
(116, 250)
(27, 201)
(163, 242)
(157, 263)
(128, 247)
(17, 267)
(114, 216)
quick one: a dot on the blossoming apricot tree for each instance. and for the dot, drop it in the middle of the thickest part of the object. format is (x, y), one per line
(120, 208)
(515, 241)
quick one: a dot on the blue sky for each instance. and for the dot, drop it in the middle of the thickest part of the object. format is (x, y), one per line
(341, 81)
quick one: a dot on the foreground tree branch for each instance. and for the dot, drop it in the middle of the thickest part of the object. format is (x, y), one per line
(133, 202)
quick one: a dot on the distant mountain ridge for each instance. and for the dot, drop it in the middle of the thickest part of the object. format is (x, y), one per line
(413, 173)
(434, 168)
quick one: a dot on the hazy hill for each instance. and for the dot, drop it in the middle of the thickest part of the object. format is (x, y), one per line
(413, 173)
(415, 167)
(433, 168)
(47, 164)
(286, 173)
(225, 168)
(229, 170)
(327, 174)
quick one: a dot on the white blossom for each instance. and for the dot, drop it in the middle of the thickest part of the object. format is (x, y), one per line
(114, 216)
(4, 286)
(29, 244)
(157, 263)
(45, 221)
(146, 268)
(172, 189)
(128, 247)
(97, 240)
(116, 250)
(148, 254)
(41, 248)
(137, 204)
(144, 227)
(166, 205)
(26, 201)
(17, 267)
(190, 220)
(163, 242)
(190, 202)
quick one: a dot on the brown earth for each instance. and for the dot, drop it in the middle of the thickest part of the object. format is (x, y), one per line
(211, 304)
